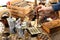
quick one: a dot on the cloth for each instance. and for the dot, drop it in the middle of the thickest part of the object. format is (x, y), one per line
(56, 7)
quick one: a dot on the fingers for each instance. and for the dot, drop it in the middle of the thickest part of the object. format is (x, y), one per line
(38, 7)
(40, 10)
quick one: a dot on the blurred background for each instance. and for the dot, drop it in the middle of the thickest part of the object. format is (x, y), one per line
(3, 2)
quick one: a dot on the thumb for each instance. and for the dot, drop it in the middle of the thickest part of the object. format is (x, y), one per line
(40, 10)
(38, 7)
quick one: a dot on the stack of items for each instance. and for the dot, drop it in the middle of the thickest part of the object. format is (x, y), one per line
(20, 8)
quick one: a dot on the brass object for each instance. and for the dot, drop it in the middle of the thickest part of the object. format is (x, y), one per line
(33, 30)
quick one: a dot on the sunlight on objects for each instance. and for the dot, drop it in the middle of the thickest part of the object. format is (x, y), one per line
(3, 2)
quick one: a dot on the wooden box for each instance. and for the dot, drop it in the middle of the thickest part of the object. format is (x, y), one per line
(52, 24)
(21, 10)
